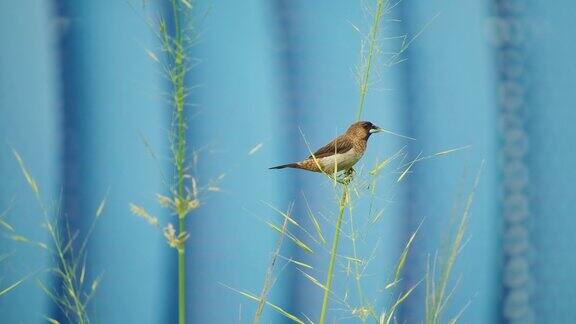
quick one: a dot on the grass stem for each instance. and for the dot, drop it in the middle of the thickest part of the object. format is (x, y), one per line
(334, 252)
(181, 286)
(180, 155)
(357, 271)
(269, 273)
(372, 49)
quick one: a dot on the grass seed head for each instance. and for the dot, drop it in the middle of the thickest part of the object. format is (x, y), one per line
(139, 211)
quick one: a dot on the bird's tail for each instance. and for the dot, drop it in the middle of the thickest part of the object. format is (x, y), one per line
(289, 165)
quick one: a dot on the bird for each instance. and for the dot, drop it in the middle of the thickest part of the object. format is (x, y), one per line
(341, 154)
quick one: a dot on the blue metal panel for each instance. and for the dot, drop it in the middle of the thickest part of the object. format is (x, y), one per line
(269, 68)
(452, 105)
(236, 109)
(115, 97)
(28, 123)
(551, 158)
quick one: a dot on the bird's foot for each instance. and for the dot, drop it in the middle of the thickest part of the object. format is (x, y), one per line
(346, 177)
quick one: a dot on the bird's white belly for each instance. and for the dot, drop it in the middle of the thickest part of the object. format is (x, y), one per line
(339, 162)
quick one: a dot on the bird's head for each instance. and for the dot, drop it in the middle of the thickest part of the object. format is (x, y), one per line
(363, 129)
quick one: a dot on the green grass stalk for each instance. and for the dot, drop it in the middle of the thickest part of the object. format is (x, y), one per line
(70, 267)
(373, 45)
(269, 272)
(357, 273)
(436, 296)
(333, 252)
(183, 199)
(180, 156)
(262, 299)
(5, 226)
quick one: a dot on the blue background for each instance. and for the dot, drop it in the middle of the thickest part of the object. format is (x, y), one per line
(78, 92)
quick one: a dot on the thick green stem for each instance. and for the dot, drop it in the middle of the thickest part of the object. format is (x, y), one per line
(181, 219)
(333, 253)
(180, 169)
(180, 156)
(181, 285)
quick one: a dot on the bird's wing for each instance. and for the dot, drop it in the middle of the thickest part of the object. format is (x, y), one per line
(339, 145)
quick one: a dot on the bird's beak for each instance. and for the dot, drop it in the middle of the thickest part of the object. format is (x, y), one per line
(375, 130)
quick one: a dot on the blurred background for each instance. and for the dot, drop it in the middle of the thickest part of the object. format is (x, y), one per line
(79, 92)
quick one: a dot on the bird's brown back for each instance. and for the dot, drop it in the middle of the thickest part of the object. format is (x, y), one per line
(341, 144)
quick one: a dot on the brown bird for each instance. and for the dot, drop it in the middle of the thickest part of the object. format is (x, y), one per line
(340, 154)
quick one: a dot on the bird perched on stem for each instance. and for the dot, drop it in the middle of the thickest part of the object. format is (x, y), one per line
(340, 154)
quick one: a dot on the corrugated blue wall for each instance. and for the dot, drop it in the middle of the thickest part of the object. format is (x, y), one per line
(78, 92)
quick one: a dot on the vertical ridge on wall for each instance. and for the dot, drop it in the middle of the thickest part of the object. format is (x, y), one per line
(513, 99)
(110, 91)
(292, 111)
(411, 105)
(72, 128)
